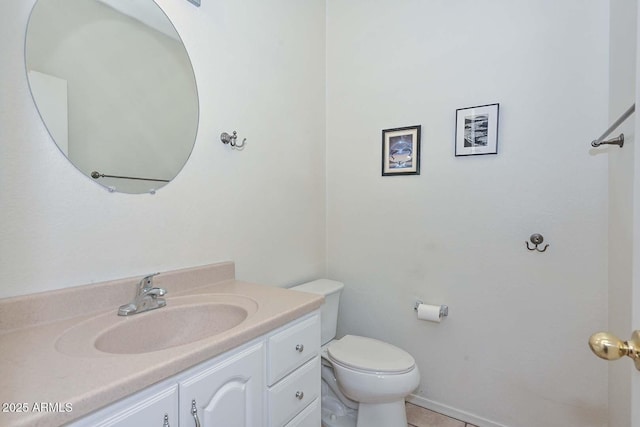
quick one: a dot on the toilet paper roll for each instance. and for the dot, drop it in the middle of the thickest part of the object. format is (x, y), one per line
(429, 312)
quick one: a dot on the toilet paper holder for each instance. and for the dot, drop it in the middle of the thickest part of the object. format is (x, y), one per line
(444, 309)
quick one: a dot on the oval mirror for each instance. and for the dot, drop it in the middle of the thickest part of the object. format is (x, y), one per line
(115, 88)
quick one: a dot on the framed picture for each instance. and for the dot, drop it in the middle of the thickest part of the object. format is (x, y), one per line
(401, 151)
(477, 130)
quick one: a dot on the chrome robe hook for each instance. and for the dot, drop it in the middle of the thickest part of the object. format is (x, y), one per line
(536, 239)
(231, 140)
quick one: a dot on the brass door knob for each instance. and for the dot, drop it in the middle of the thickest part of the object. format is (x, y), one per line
(609, 347)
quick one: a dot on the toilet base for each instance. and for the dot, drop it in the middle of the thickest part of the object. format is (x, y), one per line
(392, 414)
(334, 412)
(330, 419)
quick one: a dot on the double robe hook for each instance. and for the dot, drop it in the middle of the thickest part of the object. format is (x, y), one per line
(231, 140)
(536, 239)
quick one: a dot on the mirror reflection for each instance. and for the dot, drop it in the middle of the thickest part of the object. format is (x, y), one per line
(115, 88)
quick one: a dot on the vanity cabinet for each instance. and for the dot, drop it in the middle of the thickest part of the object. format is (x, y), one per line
(272, 381)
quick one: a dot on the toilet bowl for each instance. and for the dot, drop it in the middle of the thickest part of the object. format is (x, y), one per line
(364, 380)
(375, 374)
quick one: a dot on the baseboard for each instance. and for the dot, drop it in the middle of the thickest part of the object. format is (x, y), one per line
(451, 412)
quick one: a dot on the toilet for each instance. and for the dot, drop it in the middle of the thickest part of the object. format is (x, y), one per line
(364, 380)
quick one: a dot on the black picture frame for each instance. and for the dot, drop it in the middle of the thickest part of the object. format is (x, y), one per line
(401, 151)
(477, 130)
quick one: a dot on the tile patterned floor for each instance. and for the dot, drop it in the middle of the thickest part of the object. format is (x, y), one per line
(420, 417)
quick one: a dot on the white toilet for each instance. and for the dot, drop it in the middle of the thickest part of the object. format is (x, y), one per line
(364, 380)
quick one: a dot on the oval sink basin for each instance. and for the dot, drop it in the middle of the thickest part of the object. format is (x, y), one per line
(169, 327)
(184, 320)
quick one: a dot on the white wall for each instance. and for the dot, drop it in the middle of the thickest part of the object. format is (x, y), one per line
(635, 282)
(513, 351)
(621, 176)
(262, 208)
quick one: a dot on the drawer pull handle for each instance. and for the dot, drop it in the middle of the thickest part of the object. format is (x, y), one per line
(300, 348)
(300, 395)
(194, 412)
(166, 421)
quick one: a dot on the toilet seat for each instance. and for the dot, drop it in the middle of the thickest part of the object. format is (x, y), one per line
(369, 355)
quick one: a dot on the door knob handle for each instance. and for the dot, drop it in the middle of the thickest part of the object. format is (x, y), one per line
(609, 347)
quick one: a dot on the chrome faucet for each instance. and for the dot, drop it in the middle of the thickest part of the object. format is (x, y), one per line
(146, 298)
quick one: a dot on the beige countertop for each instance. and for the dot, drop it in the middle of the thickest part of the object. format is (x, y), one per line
(33, 371)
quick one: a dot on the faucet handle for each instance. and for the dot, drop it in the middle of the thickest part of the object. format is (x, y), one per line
(156, 292)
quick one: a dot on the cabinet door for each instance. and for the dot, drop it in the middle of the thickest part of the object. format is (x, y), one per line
(229, 393)
(146, 408)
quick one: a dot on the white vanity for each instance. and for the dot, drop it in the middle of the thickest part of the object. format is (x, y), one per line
(262, 372)
(271, 381)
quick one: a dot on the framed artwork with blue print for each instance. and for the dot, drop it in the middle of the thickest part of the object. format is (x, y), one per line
(401, 151)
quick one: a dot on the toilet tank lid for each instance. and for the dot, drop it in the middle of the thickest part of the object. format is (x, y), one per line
(321, 286)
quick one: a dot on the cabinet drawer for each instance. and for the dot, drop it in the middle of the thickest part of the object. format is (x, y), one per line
(292, 347)
(309, 417)
(294, 393)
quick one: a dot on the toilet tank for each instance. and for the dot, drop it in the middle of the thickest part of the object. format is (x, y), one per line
(331, 290)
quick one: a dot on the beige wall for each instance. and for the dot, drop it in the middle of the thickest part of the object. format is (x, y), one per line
(262, 208)
(513, 351)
